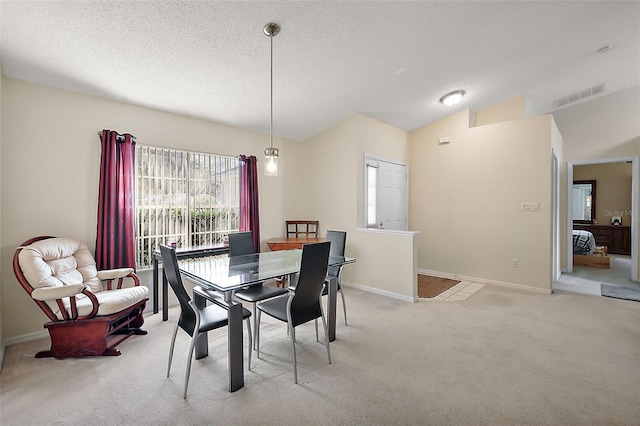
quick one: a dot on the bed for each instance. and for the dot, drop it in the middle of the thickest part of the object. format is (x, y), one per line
(586, 253)
(583, 242)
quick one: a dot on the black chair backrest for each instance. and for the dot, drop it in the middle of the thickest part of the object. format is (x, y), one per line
(338, 241)
(313, 270)
(241, 243)
(187, 319)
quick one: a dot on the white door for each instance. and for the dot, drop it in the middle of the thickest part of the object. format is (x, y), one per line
(393, 196)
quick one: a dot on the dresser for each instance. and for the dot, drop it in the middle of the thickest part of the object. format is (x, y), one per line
(616, 238)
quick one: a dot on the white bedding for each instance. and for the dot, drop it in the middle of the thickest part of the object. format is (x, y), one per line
(583, 242)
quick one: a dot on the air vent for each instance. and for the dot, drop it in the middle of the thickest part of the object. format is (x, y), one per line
(578, 96)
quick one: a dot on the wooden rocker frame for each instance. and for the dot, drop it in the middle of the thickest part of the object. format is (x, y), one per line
(88, 335)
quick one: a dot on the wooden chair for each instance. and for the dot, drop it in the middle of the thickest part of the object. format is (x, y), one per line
(90, 311)
(299, 229)
(302, 228)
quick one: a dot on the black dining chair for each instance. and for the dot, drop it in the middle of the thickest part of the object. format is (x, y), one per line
(194, 320)
(338, 241)
(303, 303)
(241, 244)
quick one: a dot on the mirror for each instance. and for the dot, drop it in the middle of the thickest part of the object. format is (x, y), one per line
(584, 201)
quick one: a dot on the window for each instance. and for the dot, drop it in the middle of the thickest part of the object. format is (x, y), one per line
(371, 167)
(187, 197)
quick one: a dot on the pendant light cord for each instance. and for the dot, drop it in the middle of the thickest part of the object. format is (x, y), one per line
(271, 123)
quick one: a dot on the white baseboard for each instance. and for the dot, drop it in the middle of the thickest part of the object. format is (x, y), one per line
(482, 281)
(26, 338)
(378, 291)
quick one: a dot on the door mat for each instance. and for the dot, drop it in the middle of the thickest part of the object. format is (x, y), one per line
(620, 292)
(429, 286)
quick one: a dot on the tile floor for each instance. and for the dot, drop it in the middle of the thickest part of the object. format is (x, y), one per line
(458, 292)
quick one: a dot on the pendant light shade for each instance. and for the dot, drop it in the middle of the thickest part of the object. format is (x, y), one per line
(271, 162)
(271, 154)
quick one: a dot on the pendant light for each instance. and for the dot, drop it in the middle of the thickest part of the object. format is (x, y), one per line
(271, 154)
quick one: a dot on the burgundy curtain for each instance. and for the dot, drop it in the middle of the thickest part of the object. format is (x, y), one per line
(249, 215)
(116, 236)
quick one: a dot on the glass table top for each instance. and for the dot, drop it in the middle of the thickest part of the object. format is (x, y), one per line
(224, 273)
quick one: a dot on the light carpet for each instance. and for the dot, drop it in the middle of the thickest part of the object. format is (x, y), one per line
(502, 357)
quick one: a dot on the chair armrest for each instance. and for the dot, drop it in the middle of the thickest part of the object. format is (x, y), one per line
(109, 275)
(112, 274)
(53, 293)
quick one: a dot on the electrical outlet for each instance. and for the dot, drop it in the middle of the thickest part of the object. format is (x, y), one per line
(529, 206)
(515, 263)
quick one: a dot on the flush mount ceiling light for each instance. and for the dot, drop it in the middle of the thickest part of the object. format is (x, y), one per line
(271, 154)
(450, 99)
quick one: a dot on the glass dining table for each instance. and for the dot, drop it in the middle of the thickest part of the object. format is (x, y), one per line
(224, 274)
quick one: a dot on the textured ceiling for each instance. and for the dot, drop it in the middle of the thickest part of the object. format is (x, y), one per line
(388, 60)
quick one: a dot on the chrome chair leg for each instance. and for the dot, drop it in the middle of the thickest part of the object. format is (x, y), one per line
(194, 338)
(253, 313)
(344, 307)
(316, 323)
(293, 348)
(257, 330)
(326, 337)
(250, 345)
(173, 344)
(188, 372)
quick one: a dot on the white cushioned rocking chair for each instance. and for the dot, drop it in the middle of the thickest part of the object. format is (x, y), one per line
(90, 311)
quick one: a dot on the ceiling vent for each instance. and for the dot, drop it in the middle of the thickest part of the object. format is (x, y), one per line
(578, 96)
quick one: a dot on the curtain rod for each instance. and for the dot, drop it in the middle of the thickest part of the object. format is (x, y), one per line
(133, 138)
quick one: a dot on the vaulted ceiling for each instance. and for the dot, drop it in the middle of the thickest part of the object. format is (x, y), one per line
(389, 60)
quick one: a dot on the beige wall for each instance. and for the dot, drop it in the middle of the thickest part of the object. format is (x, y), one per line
(54, 189)
(330, 167)
(387, 262)
(51, 152)
(465, 199)
(329, 188)
(606, 127)
(603, 128)
(513, 109)
(2, 345)
(613, 189)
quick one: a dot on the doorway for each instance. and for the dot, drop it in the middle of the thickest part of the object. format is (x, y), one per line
(393, 196)
(386, 194)
(555, 216)
(584, 281)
